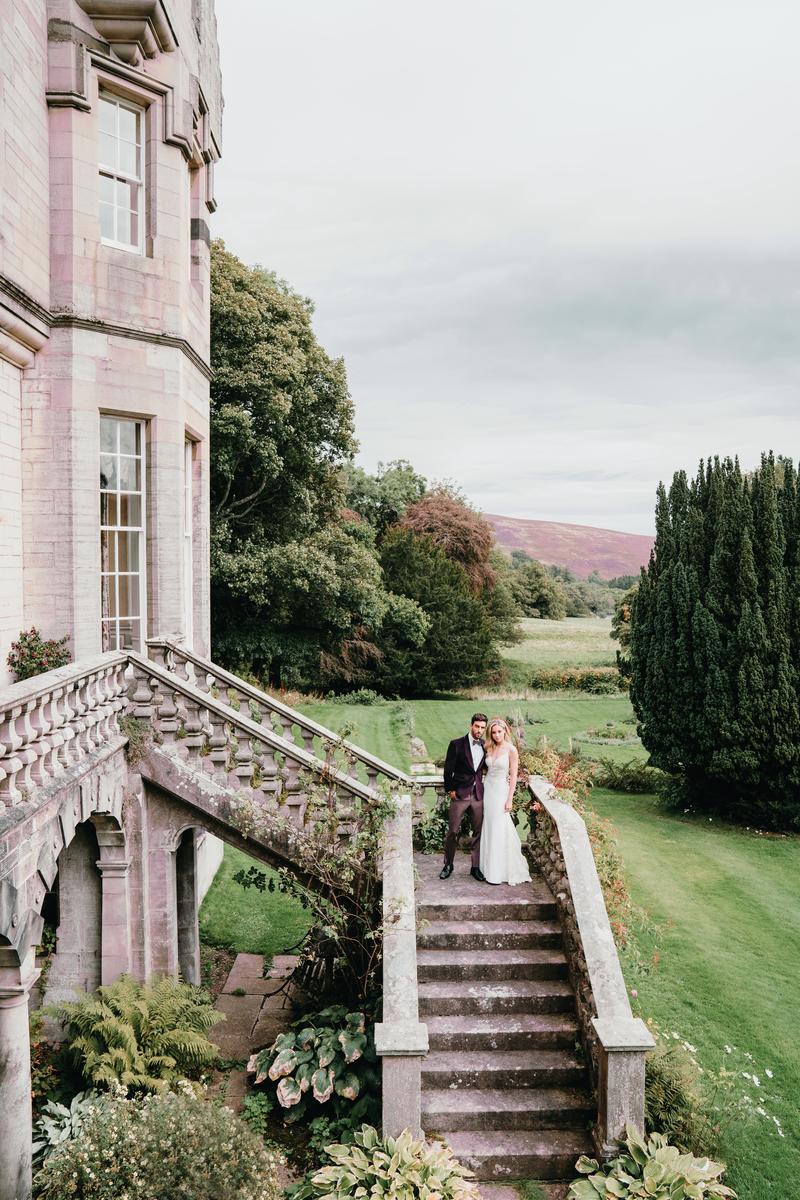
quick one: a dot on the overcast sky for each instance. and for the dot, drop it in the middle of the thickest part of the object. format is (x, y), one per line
(557, 244)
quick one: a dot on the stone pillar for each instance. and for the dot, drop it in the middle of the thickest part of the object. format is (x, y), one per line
(115, 937)
(16, 981)
(76, 965)
(624, 1043)
(187, 907)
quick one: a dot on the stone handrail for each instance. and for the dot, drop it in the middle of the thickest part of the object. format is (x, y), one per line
(400, 1039)
(617, 1042)
(267, 774)
(280, 717)
(52, 721)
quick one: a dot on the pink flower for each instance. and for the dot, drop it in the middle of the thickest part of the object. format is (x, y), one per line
(634, 993)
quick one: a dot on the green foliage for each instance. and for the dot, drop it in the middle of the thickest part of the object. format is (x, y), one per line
(621, 629)
(597, 681)
(632, 775)
(360, 696)
(381, 499)
(31, 654)
(327, 1059)
(585, 597)
(143, 1037)
(256, 1109)
(650, 1168)
(59, 1123)
(169, 1145)
(430, 832)
(537, 593)
(674, 1102)
(458, 646)
(395, 1168)
(715, 641)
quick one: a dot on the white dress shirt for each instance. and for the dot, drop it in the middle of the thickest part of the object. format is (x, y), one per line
(477, 751)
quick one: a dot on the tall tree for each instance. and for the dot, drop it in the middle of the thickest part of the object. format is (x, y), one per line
(713, 640)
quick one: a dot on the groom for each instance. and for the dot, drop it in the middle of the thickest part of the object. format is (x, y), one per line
(463, 782)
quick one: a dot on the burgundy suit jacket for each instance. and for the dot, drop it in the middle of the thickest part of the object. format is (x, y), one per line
(460, 775)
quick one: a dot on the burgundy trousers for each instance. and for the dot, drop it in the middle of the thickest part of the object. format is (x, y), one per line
(455, 816)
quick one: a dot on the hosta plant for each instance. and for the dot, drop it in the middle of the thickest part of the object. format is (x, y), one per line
(393, 1168)
(143, 1037)
(59, 1123)
(651, 1169)
(326, 1058)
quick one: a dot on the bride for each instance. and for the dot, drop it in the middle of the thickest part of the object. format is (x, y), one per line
(502, 860)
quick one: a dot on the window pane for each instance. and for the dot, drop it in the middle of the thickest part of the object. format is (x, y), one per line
(128, 595)
(106, 189)
(108, 552)
(128, 551)
(129, 437)
(134, 229)
(130, 511)
(129, 637)
(108, 115)
(128, 158)
(123, 227)
(130, 475)
(107, 150)
(127, 195)
(108, 434)
(107, 222)
(108, 471)
(128, 125)
(108, 509)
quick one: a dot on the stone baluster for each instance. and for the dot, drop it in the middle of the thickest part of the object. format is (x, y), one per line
(67, 752)
(373, 774)
(243, 762)
(159, 655)
(55, 761)
(308, 738)
(195, 726)
(169, 718)
(271, 783)
(12, 762)
(214, 763)
(141, 696)
(278, 724)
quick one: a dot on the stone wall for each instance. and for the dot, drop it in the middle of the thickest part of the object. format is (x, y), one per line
(10, 512)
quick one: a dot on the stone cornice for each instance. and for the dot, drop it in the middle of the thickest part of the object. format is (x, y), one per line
(73, 321)
(25, 327)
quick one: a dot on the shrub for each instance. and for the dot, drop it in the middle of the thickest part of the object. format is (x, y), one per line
(142, 1036)
(431, 831)
(364, 695)
(598, 681)
(396, 1168)
(651, 1169)
(167, 1146)
(31, 654)
(632, 776)
(327, 1059)
(673, 1100)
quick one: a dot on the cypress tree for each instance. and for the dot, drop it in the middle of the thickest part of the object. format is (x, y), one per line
(715, 640)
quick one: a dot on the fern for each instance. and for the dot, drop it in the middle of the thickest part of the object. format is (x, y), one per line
(142, 1036)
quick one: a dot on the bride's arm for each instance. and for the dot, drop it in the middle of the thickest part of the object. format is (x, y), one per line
(513, 772)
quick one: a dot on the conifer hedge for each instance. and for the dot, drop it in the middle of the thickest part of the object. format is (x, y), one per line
(715, 640)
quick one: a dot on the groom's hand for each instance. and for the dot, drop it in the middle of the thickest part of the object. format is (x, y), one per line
(452, 795)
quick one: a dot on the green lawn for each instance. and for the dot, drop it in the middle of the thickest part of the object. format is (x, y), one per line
(248, 920)
(726, 903)
(561, 715)
(574, 642)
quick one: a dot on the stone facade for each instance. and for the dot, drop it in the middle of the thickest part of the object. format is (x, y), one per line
(90, 328)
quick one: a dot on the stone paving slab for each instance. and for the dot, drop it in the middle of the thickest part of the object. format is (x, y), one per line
(507, 1191)
(248, 972)
(462, 888)
(233, 1034)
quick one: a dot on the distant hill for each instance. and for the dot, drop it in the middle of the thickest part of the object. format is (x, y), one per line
(582, 548)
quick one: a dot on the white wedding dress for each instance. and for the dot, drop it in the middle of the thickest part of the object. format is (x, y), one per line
(502, 860)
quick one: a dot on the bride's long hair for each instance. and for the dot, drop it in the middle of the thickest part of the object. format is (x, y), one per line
(491, 744)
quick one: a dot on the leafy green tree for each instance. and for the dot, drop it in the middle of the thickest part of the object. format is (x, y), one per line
(715, 640)
(537, 593)
(458, 648)
(382, 498)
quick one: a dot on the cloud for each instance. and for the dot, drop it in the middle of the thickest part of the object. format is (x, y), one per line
(557, 246)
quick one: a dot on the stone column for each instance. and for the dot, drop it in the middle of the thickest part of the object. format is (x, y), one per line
(16, 981)
(115, 937)
(624, 1043)
(187, 907)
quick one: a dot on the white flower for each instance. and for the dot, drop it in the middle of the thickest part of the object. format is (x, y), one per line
(756, 1081)
(768, 1073)
(761, 1110)
(747, 1075)
(728, 1050)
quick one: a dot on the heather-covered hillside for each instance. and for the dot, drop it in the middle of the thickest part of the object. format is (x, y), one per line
(582, 548)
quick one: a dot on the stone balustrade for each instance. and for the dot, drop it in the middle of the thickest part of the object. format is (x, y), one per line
(285, 721)
(267, 775)
(616, 1041)
(51, 722)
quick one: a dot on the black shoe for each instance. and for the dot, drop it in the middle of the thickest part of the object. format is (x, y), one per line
(478, 874)
(446, 871)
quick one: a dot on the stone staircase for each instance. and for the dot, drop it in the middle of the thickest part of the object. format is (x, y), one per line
(503, 1082)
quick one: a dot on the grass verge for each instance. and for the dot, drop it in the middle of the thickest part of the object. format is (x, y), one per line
(246, 920)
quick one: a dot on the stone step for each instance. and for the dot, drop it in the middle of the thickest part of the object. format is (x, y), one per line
(502, 1069)
(503, 1031)
(457, 997)
(500, 909)
(506, 1108)
(502, 965)
(489, 935)
(519, 1154)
